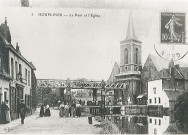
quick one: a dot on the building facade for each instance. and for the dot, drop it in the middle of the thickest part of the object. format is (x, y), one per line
(158, 125)
(5, 77)
(174, 76)
(156, 94)
(16, 74)
(165, 91)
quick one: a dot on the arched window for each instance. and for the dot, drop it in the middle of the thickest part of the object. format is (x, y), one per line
(126, 56)
(136, 55)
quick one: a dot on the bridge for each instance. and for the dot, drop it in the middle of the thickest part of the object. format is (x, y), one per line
(77, 84)
(120, 89)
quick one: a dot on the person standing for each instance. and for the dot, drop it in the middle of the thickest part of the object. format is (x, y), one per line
(73, 109)
(42, 111)
(22, 111)
(62, 110)
(47, 111)
(67, 110)
(80, 101)
(78, 110)
(3, 115)
(171, 25)
(70, 108)
(7, 113)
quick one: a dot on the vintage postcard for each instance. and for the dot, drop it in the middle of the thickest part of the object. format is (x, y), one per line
(93, 67)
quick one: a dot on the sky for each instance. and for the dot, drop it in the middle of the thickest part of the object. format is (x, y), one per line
(64, 47)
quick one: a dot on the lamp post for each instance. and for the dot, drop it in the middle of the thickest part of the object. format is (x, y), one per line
(68, 91)
(103, 99)
(19, 75)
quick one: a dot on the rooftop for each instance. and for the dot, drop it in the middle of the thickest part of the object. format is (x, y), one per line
(173, 95)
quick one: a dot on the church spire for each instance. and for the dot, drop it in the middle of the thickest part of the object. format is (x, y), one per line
(130, 29)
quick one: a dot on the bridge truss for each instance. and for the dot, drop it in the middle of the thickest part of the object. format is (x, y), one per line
(77, 84)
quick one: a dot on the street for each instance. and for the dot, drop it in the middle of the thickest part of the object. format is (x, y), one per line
(50, 125)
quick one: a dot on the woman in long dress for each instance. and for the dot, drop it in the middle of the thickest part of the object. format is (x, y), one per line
(62, 110)
(47, 111)
(73, 110)
(78, 110)
(67, 110)
(42, 111)
(7, 112)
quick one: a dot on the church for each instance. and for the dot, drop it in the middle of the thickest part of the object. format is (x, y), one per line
(129, 69)
(137, 77)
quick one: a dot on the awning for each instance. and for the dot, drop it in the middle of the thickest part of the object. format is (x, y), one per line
(140, 96)
(140, 124)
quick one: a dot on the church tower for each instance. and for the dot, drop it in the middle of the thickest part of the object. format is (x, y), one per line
(130, 63)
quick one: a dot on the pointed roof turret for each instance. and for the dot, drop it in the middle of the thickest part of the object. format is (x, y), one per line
(130, 29)
(4, 30)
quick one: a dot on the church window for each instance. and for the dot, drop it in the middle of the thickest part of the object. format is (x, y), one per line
(126, 56)
(136, 55)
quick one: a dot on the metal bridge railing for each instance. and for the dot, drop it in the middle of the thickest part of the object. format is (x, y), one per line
(76, 84)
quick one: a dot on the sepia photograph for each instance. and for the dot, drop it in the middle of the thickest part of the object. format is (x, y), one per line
(93, 67)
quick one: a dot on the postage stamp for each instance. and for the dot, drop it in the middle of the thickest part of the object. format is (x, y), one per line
(172, 43)
(172, 28)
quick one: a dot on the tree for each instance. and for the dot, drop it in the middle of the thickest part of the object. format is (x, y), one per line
(52, 98)
(181, 111)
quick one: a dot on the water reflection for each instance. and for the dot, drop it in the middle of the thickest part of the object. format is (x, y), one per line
(158, 125)
(130, 124)
(144, 124)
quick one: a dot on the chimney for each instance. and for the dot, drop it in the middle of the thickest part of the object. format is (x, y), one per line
(171, 68)
(18, 48)
(6, 21)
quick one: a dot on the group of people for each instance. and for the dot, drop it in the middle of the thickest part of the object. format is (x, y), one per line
(45, 111)
(66, 110)
(73, 110)
(5, 112)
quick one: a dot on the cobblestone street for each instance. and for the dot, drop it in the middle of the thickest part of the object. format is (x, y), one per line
(50, 125)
